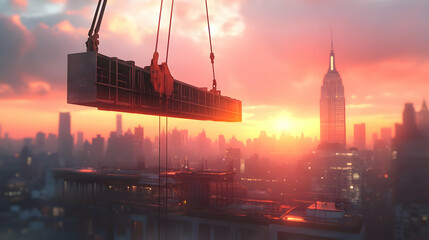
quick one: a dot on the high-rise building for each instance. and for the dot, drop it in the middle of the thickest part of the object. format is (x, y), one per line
(138, 140)
(79, 142)
(222, 144)
(423, 119)
(39, 145)
(360, 136)
(28, 142)
(410, 178)
(423, 115)
(65, 140)
(408, 128)
(332, 106)
(97, 150)
(51, 143)
(336, 175)
(233, 159)
(118, 125)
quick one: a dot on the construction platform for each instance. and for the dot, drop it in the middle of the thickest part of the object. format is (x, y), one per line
(112, 84)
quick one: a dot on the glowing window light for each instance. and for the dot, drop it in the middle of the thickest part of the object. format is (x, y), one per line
(295, 219)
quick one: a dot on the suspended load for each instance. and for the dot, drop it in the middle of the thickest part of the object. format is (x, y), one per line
(112, 84)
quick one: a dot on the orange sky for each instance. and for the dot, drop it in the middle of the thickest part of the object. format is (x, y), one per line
(272, 55)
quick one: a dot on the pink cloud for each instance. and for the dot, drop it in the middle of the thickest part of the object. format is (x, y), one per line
(19, 4)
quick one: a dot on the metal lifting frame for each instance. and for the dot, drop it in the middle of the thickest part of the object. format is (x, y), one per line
(92, 42)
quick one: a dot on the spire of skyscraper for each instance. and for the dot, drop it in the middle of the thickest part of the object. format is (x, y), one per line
(332, 55)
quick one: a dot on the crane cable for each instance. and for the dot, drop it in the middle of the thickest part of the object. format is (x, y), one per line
(166, 127)
(166, 124)
(169, 30)
(159, 24)
(159, 178)
(214, 87)
(159, 135)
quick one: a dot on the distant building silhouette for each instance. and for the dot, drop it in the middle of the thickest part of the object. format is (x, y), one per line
(51, 143)
(233, 159)
(222, 144)
(408, 128)
(79, 142)
(386, 135)
(97, 150)
(39, 144)
(65, 140)
(422, 118)
(118, 125)
(410, 177)
(332, 106)
(27, 142)
(138, 140)
(336, 175)
(360, 136)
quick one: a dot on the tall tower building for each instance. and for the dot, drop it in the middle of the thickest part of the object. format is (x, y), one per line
(332, 106)
(65, 139)
(80, 141)
(118, 125)
(40, 142)
(360, 136)
(423, 119)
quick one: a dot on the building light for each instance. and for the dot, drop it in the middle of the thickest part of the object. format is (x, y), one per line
(295, 219)
(394, 153)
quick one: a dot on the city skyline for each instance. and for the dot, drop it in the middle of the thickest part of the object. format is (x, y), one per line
(290, 105)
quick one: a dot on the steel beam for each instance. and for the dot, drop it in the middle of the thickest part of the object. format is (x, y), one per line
(112, 84)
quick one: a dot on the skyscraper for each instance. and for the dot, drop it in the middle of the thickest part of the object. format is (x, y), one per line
(97, 150)
(65, 139)
(80, 141)
(222, 144)
(336, 175)
(408, 129)
(423, 116)
(138, 140)
(40, 142)
(360, 136)
(423, 119)
(118, 125)
(51, 143)
(332, 106)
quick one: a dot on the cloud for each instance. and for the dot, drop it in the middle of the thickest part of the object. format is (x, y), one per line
(39, 54)
(19, 4)
(349, 106)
